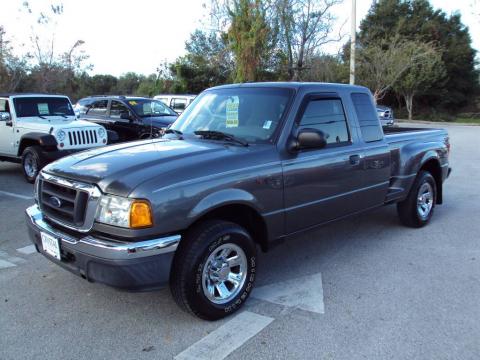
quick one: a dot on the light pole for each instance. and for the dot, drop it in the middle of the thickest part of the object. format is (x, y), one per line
(353, 33)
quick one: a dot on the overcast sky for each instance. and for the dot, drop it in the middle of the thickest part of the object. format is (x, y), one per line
(138, 35)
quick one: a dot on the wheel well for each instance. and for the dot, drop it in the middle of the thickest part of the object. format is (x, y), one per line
(242, 215)
(26, 143)
(433, 167)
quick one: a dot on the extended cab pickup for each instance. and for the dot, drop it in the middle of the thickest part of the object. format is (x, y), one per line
(243, 167)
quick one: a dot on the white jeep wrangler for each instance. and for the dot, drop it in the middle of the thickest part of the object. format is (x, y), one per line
(36, 129)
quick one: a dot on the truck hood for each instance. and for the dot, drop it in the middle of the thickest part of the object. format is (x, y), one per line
(55, 122)
(119, 169)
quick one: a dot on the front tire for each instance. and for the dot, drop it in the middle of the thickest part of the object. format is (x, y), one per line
(417, 209)
(213, 271)
(32, 162)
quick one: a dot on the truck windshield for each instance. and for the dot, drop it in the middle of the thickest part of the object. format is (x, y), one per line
(42, 106)
(250, 114)
(149, 108)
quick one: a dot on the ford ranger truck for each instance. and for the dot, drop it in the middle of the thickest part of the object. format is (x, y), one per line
(244, 167)
(36, 129)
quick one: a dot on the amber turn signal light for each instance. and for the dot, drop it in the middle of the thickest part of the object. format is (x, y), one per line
(140, 214)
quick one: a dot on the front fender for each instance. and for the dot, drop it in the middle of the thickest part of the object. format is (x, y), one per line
(47, 141)
(221, 198)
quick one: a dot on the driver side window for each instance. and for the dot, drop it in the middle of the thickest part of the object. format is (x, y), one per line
(327, 115)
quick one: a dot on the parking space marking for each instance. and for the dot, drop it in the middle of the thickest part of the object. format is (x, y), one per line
(27, 250)
(304, 293)
(18, 196)
(223, 341)
(6, 264)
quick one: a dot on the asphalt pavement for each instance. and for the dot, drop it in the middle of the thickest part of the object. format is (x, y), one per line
(362, 288)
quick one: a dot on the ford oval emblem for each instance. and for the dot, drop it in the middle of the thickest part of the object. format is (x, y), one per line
(55, 201)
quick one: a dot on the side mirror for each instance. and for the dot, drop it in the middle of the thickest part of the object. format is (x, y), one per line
(307, 139)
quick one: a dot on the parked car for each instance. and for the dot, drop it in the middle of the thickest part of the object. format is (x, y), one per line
(177, 102)
(36, 129)
(385, 115)
(132, 118)
(245, 166)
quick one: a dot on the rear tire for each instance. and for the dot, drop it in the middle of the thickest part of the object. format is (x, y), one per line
(32, 162)
(417, 209)
(213, 271)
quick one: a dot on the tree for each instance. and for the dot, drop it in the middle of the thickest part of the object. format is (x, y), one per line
(416, 20)
(208, 62)
(13, 69)
(305, 26)
(382, 64)
(52, 70)
(247, 35)
(420, 77)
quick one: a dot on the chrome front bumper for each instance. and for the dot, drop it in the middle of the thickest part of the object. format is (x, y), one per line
(101, 248)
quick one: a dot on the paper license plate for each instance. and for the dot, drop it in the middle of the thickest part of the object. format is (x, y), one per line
(51, 245)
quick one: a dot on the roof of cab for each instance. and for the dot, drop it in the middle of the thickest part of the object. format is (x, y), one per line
(292, 85)
(8, 95)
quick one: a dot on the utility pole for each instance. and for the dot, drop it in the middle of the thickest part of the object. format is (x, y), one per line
(353, 35)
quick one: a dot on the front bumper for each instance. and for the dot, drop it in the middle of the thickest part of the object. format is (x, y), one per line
(136, 266)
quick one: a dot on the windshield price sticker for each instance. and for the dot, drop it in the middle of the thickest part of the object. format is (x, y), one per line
(267, 124)
(232, 112)
(43, 109)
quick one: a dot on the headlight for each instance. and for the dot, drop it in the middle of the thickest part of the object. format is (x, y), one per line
(123, 212)
(60, 135)
(101, 132)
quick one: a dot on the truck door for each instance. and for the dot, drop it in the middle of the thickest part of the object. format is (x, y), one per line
(7, 134)
(324, 184)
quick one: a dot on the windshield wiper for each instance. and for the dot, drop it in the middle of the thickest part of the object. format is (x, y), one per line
(62, 115)
(211, 134)
(178, 133)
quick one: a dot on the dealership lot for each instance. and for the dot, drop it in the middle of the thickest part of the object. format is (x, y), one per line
(363, 288)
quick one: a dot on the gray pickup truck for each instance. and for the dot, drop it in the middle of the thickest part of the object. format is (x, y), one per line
(243, 167)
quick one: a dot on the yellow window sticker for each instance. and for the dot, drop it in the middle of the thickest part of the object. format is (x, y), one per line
(43, 109)
(132, 102)
(232, 112)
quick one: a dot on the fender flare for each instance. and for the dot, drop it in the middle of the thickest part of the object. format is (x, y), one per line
(47, 141)
(222, 198)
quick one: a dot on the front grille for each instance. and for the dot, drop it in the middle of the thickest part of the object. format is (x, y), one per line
(82, 137)
(64, 204)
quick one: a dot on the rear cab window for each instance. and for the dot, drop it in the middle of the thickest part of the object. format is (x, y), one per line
(367, 117)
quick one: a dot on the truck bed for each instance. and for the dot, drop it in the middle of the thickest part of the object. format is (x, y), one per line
(403, 143)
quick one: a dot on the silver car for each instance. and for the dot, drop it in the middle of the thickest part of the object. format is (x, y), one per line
(385, 114)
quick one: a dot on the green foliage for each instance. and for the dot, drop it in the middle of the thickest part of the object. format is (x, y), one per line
(208, 62)
(247, 35)
(422, 75)
(417, 20)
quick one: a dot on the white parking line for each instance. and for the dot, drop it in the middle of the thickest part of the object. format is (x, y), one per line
(27, 250)
(220, 343)
(6, 264)
(18, 196)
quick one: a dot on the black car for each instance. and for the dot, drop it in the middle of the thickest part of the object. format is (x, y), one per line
(132, 118)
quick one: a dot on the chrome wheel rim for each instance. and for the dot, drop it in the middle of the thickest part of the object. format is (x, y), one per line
(224, 273)
(30, 165)
(425, 200)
